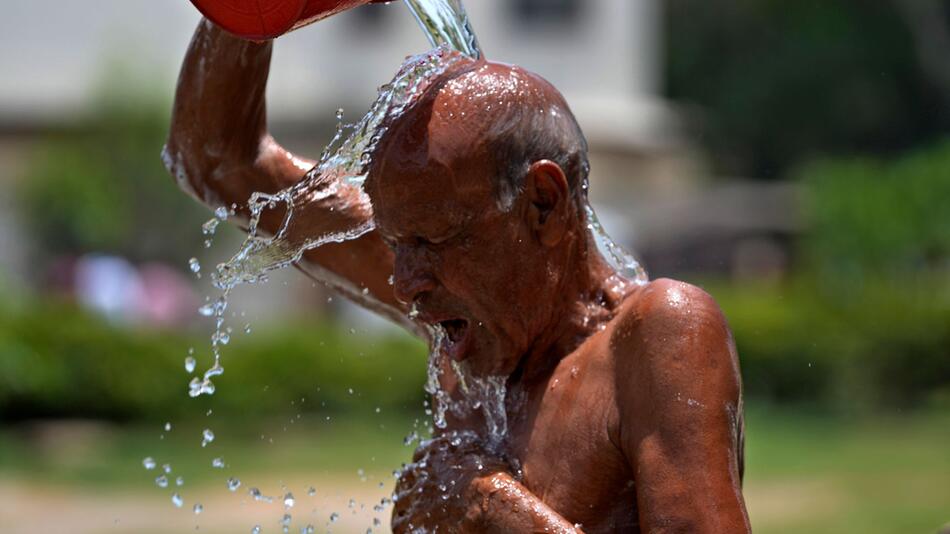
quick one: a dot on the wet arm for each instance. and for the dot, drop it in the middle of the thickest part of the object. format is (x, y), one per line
(681, 423)
(220, 152)
(504, 505)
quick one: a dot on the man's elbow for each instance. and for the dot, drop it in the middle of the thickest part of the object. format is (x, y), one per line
(193, 168)
(175, 163)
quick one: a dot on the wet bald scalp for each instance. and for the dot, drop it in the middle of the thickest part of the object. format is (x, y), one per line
(501, 112)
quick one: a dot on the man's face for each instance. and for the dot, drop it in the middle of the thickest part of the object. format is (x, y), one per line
(460, 261)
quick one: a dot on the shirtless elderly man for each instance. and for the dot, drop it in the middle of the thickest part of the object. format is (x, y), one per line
(628, 415)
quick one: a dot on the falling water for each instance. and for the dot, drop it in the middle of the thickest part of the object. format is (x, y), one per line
(446, 25)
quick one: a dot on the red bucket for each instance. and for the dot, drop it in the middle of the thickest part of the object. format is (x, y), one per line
(266, 19)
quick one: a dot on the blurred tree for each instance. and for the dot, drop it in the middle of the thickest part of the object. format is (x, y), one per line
(779, 82)
(101, 186)
(879, 220)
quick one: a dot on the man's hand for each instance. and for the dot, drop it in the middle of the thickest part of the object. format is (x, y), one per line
(455, 485)
(440, 487)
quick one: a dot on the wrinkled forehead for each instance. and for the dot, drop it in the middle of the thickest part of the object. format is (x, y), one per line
(419, 187)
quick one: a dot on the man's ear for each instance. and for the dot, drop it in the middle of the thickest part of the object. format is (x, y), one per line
(548, 201)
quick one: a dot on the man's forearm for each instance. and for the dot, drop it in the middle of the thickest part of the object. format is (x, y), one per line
(507, 506)
(218, 119)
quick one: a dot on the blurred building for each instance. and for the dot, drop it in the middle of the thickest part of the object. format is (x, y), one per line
(604, 55)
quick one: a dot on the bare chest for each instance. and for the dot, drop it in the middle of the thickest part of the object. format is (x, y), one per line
(569, 458)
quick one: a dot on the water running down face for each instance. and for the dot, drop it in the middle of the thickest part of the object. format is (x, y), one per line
(480, 255)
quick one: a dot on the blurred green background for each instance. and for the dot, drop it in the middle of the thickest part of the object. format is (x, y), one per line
(841, 319)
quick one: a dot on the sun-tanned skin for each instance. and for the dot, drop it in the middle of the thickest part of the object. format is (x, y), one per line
(624, 400)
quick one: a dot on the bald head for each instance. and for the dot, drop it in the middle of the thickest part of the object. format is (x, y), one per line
(494, 115)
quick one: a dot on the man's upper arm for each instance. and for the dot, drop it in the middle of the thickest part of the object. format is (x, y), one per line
(680, 411)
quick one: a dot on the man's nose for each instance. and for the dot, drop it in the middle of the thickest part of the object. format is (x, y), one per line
(412, 274)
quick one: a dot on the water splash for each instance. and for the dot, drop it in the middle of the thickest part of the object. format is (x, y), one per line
(344, 166)
(627, 267)
(446, 24)
(485, 394)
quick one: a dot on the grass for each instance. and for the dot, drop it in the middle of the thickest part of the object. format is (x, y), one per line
(889, 474)
(804, 473)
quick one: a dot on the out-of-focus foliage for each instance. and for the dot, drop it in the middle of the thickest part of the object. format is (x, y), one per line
(885, 346)
(101, 187)
(872, 218)
(778, 82)
(58, 361)
(866, 321)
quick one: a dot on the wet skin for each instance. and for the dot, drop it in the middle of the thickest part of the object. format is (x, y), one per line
(624, 401)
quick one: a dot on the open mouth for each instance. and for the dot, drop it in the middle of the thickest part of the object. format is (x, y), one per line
(456, 332)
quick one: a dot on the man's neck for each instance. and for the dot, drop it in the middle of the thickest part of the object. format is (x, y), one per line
(591, 294)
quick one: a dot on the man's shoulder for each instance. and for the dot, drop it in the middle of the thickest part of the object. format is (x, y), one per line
(670, 324)
(667, 305)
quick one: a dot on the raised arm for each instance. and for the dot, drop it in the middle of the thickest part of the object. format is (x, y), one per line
(219, 151)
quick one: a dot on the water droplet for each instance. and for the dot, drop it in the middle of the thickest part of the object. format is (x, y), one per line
(215, 370)
(220, 338)
(179, 481)
(307, 530)
(312, 491)
(256, 529)
(167, 468)
(377, 522)
(221, 213)
(190, 364)
(207, 436)
(289, 500)
(285, 521)
(217, 463)
(198, 509)
(200, 387)
(207, 310)
(209, 227)
(233, 484)
(168, 427)
(149, 463)
(177, 500)
(339, 114)
(161, 481)
(334, 516)
(351, 503)
(194, 265)
(247, 328)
